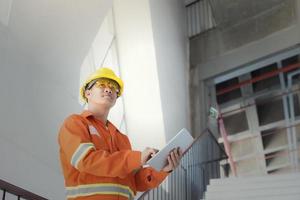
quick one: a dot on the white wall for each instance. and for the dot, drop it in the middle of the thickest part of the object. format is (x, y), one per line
(103, 53)
(41, 51)
(171, 44)
(153, 55)
(138, 65)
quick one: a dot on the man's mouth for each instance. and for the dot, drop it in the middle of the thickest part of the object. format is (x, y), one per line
(109, 96)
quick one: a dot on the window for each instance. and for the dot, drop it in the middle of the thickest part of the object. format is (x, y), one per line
(260, 111)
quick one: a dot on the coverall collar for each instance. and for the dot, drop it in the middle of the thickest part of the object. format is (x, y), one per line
(88, 115)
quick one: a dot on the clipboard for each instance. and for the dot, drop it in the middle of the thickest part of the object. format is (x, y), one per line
(182, 139)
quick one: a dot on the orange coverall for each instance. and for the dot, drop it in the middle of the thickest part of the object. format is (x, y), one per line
(98, 162)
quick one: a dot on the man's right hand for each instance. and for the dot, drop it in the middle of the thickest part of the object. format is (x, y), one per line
(147, 154)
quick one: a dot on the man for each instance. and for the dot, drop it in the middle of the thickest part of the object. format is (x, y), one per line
(96, 158)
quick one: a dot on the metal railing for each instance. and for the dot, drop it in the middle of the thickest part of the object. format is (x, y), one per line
(9, 191)
(198, 165)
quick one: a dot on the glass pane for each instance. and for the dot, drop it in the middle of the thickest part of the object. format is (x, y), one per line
(248, 167)
(274, 139)
(243, 147)
(265, 84)
(290, 61)
(236, 123)
(234, 94)
(296, 98)
(277, 159)
(269, 111)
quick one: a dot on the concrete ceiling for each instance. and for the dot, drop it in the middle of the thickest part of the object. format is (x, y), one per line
(228, 13)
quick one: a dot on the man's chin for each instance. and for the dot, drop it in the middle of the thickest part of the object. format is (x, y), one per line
(107, 102)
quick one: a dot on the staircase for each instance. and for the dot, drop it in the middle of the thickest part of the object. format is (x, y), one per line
(269, 187)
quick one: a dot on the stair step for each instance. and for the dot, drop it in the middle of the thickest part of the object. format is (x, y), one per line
(277, 197)
(266, 178)
(254, 193)
(254, 185)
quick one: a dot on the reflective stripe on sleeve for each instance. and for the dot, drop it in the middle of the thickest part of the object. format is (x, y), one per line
(104, 188)
(80, 152)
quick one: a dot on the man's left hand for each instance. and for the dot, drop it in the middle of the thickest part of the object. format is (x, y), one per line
(174, 158)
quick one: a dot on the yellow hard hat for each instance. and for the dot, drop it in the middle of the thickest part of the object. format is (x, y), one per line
(101, 73)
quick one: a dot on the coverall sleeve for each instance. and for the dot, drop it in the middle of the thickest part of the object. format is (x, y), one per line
(149, 178)
(80, 152)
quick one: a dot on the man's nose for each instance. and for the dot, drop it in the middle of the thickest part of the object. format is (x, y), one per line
(107, 90)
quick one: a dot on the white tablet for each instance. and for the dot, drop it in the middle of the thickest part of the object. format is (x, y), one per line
(183, 139)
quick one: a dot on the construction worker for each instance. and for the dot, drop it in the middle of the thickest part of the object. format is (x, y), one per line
(96, 158)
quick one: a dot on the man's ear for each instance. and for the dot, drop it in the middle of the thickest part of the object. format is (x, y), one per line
(87, 93)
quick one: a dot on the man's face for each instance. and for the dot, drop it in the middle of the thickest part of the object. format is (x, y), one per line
(102, 94)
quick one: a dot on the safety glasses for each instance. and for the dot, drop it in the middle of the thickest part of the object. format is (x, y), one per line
(107, 83)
